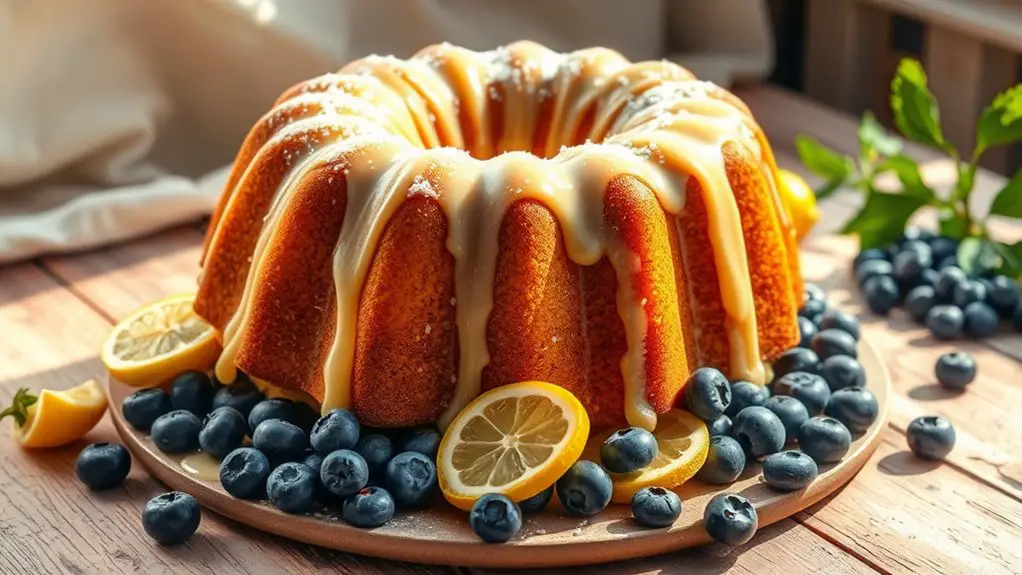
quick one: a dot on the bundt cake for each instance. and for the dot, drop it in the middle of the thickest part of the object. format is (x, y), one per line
(401, 235)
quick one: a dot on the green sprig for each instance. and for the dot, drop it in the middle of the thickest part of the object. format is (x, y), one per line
(19, 406)
(884, 215)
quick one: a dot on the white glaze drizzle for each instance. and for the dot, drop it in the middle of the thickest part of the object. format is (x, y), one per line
(661, 127)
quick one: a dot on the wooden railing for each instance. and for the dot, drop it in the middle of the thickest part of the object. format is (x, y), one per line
(970, 49)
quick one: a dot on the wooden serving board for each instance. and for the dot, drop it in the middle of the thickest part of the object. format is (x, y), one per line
(441, 534)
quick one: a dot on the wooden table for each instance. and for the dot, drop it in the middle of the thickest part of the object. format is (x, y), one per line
(899, 515)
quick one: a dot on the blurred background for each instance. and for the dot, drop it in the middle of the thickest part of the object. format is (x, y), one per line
(119, 117)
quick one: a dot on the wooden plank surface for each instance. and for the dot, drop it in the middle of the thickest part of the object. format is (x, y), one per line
(49, 521)
(900, 515)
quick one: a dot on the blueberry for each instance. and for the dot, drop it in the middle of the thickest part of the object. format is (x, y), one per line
(947, 262)
(719, 426)
(537, 502)
(931, 437)
(707, 393)
(171, 518)
(314, 461)
(1003, 295)
(495, 518)
(222, 432)
(881, 294)
(411, 479)
(291, 487)
(790, 411)
(730, 519)
(909, 264)
(725, 461)
(955, 370)
(377, 450)
(920, 301)
(103, 465)
(584, 489)
(915, 234)
(176, 432)
(141, 408)
(968, 292)
(980, 320)
(949, 279)
(424, 440)
(825, 439)
(917, 244)
(746, 394)
(192, 391)
(943, 247)
(274, 408)
(837, 319)
(813, 310)
(759, 431)
(243, 473)
(928, 278)
(338, 429)
(869, 255)
(856, 407)
(789, 470)
(811, 389)
(280, 441)
(813, 291)
(628, 450)
(344, 473)
(656, 507)
(242, 396)
(873, 268)
(796, 359)
(1016, 319)
(371, 507)
(831, 342)
(988, 286)
(806, 330)
(842, 371)
(945, 321)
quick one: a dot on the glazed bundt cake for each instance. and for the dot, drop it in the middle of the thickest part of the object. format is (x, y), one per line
(402, 235)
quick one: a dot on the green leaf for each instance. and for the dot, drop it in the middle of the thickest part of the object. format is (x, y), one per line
(1001, 122)
(873, 136)
(828, 189)
(883, 218)
(951, 224)
(1008, 201)
(1011, 255)
(823, 161)
(907, 171)
(915, 109)
(977, 256)
(19, 406)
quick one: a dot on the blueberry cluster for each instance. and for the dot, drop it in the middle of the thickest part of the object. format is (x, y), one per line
(281, 450)
(920, 272)
(817, 399)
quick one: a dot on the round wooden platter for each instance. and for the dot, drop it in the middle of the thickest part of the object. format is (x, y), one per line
(441, 534)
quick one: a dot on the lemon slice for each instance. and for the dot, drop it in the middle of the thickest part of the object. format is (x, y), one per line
(683, 443)
(159, 341)
(56, 418)
(516, 440)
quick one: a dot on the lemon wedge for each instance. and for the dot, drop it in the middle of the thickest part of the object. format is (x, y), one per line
(516, 440)
(159, 341)
(683, 442)
(55, 418)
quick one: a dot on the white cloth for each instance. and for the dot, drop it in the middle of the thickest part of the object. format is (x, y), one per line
(117, 117)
